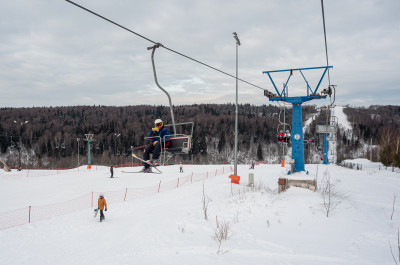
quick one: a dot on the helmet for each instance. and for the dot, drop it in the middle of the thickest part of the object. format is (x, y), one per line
(287, 130)
(158, 121)
(101, 195)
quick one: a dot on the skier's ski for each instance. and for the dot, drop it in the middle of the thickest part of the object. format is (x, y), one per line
(140, 172)
(153, 166)
(95, 212)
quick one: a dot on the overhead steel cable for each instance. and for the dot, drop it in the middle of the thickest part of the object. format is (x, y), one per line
(326, 43)
(332, 87)
(169, 49)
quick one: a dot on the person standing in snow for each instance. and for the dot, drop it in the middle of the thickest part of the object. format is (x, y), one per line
(181, 168)
(158, 136)
(112, 171)
(101, 205)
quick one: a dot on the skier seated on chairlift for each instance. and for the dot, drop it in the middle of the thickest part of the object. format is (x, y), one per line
(287, 136)
(281, 136)
(157, 134)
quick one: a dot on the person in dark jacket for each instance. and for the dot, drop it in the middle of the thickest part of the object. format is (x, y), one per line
(112, 171)
(159, 138)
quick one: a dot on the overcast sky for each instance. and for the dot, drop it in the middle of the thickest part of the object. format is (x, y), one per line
(53, 53)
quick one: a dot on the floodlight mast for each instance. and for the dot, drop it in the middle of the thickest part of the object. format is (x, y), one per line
(236, 104)
(297, 122)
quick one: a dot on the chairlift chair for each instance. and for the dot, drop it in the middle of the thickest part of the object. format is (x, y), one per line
(282, 126)
(179, 143)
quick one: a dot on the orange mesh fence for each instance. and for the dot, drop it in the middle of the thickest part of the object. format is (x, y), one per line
(37, 213)
(111, 196)
(198, 176)
(136, 193)
(52, 210)
(14, 218)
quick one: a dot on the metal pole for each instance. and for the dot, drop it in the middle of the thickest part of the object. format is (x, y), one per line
(236, 111)
(370, 146)
(162, 89)
(132, 156)
(78, 151)
(89, 160)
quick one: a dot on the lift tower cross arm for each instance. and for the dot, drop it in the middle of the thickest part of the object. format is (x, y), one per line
(297, 122)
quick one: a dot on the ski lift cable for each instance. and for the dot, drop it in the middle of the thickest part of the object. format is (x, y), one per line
(326, 43)
(156, 43)
(326, 53)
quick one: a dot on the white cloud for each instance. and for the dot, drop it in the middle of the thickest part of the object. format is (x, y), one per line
(53, 53)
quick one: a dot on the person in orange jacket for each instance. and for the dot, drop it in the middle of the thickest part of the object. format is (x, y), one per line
(102, 205)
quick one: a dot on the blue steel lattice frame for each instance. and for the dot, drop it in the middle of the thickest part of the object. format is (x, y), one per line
(297, 122)
(281, 94)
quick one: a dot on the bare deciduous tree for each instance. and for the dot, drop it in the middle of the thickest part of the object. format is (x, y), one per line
(398, 248)
(394, 201)
(330, 193)
(221, 234)
(205, 201)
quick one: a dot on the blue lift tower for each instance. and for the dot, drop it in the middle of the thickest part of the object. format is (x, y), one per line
(297, 122)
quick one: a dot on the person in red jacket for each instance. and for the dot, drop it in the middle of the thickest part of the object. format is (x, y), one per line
(101, 205)
(281, 135)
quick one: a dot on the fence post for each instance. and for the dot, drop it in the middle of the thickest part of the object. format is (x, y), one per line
(159, 185)
(216, 172)
(27, 174)
(126, 191)
(30, 214)
(177, 184)
(191, 178)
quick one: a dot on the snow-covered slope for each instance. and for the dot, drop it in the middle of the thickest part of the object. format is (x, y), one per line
(169, 227)
(344, 124)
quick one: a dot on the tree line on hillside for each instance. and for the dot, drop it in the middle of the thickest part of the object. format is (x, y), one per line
(55, 136)
(379, 125)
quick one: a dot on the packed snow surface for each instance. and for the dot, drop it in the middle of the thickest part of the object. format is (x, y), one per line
(342, 119)
(265, 227)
